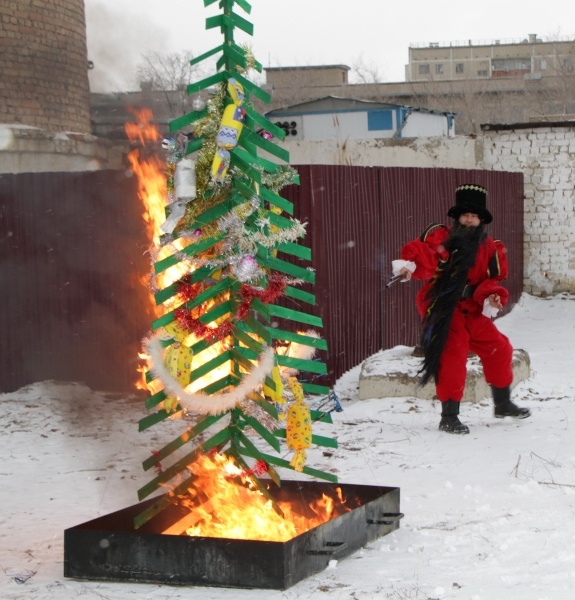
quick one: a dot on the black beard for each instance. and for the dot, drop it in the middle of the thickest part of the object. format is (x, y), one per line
(463, 238)
(445, 292)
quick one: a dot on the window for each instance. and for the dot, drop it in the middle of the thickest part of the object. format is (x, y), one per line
(424, 69)
(379, 120)
(459, 68)
(482, 73)
(439, 69)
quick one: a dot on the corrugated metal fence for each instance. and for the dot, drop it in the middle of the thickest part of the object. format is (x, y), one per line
(73, 258)
(359, 218)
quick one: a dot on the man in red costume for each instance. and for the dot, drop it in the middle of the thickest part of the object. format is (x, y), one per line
(463, 268)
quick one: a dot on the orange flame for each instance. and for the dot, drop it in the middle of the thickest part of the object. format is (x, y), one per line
(223, 507)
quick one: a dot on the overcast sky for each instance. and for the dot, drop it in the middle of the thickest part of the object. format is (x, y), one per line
(376, 33)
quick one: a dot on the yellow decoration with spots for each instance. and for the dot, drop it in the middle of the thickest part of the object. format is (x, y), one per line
(178, 361)
(298, 427)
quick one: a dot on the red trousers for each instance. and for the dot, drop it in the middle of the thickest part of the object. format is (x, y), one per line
(471, 331)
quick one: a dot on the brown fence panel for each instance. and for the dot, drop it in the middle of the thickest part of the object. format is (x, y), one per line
(358, 219)
(341, 207)
(72, 255)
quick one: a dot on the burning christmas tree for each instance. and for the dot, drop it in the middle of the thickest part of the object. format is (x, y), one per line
(228, 255)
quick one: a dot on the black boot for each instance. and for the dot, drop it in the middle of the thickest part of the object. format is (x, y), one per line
(504, 407)
(449, 419)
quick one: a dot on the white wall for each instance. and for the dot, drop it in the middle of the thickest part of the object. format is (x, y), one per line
(546, 157)
(353, 125)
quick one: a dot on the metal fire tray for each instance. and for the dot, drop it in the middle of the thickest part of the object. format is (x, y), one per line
(109, 548)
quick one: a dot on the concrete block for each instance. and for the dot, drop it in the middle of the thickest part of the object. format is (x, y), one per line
(393, 373)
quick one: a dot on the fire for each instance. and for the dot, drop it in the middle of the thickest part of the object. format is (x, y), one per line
(227, 505)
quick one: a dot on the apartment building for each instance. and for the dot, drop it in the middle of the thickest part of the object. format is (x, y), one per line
(528, 58)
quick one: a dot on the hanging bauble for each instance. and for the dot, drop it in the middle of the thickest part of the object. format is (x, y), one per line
(246, 268)
(198, 103)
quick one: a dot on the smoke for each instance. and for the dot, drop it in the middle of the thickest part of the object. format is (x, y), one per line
(118, 34)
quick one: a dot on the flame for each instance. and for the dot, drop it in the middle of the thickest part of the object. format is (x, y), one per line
(227, 505)
(152, 173)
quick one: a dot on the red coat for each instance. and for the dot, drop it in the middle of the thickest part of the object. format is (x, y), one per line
(489, 269)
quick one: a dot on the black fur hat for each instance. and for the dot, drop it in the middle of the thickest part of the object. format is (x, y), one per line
(470, 198)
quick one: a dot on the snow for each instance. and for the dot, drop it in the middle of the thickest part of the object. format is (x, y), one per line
(488, 516)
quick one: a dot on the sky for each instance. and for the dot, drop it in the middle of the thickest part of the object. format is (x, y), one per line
(487, 516)
(369, 33)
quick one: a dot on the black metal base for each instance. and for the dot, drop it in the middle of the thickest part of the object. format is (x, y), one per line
(109, 548)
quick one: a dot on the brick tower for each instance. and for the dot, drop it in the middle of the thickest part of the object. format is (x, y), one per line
(43, 65)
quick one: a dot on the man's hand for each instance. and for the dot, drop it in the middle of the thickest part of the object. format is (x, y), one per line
(406, 274)
(495, 301)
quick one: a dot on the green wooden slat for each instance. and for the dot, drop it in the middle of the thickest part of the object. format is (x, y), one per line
(252, 88)
(194, 88)
(210, 365)
(308, 366)
(326, 442)
(219, 385)
(280, 462)
(177, 443)
(190, 250)
(169, 473)
(264, 123)
(249, 159)
(277, 200)
(256, 481)
(245, 5)
(248, 341)
(290, 269)
(222, 286)
(179, 466)
(187, 119)
(245, 188)
(298, 338)
(280, 221)
(258, 306)
(203, 273)
(222, 21)
(266, 145)
(298, 250)
(321, 417)
(257, 328)
(242, 24)
(314, 389)
(318, 440)
(194, 145)
(155, 399)
(264, 433)
(161, 504)
(298, 294)
(201, 57)
(236, 160)
(219, 310)
(294, 315)
(168, 292)
(243, 356)
(150, 420)
(216, 440)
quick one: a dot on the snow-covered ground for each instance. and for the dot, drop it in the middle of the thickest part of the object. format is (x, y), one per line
(488, 516)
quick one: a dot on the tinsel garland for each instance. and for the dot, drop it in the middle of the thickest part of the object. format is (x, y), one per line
(272, 292)
(191, 323)
(213, 404)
